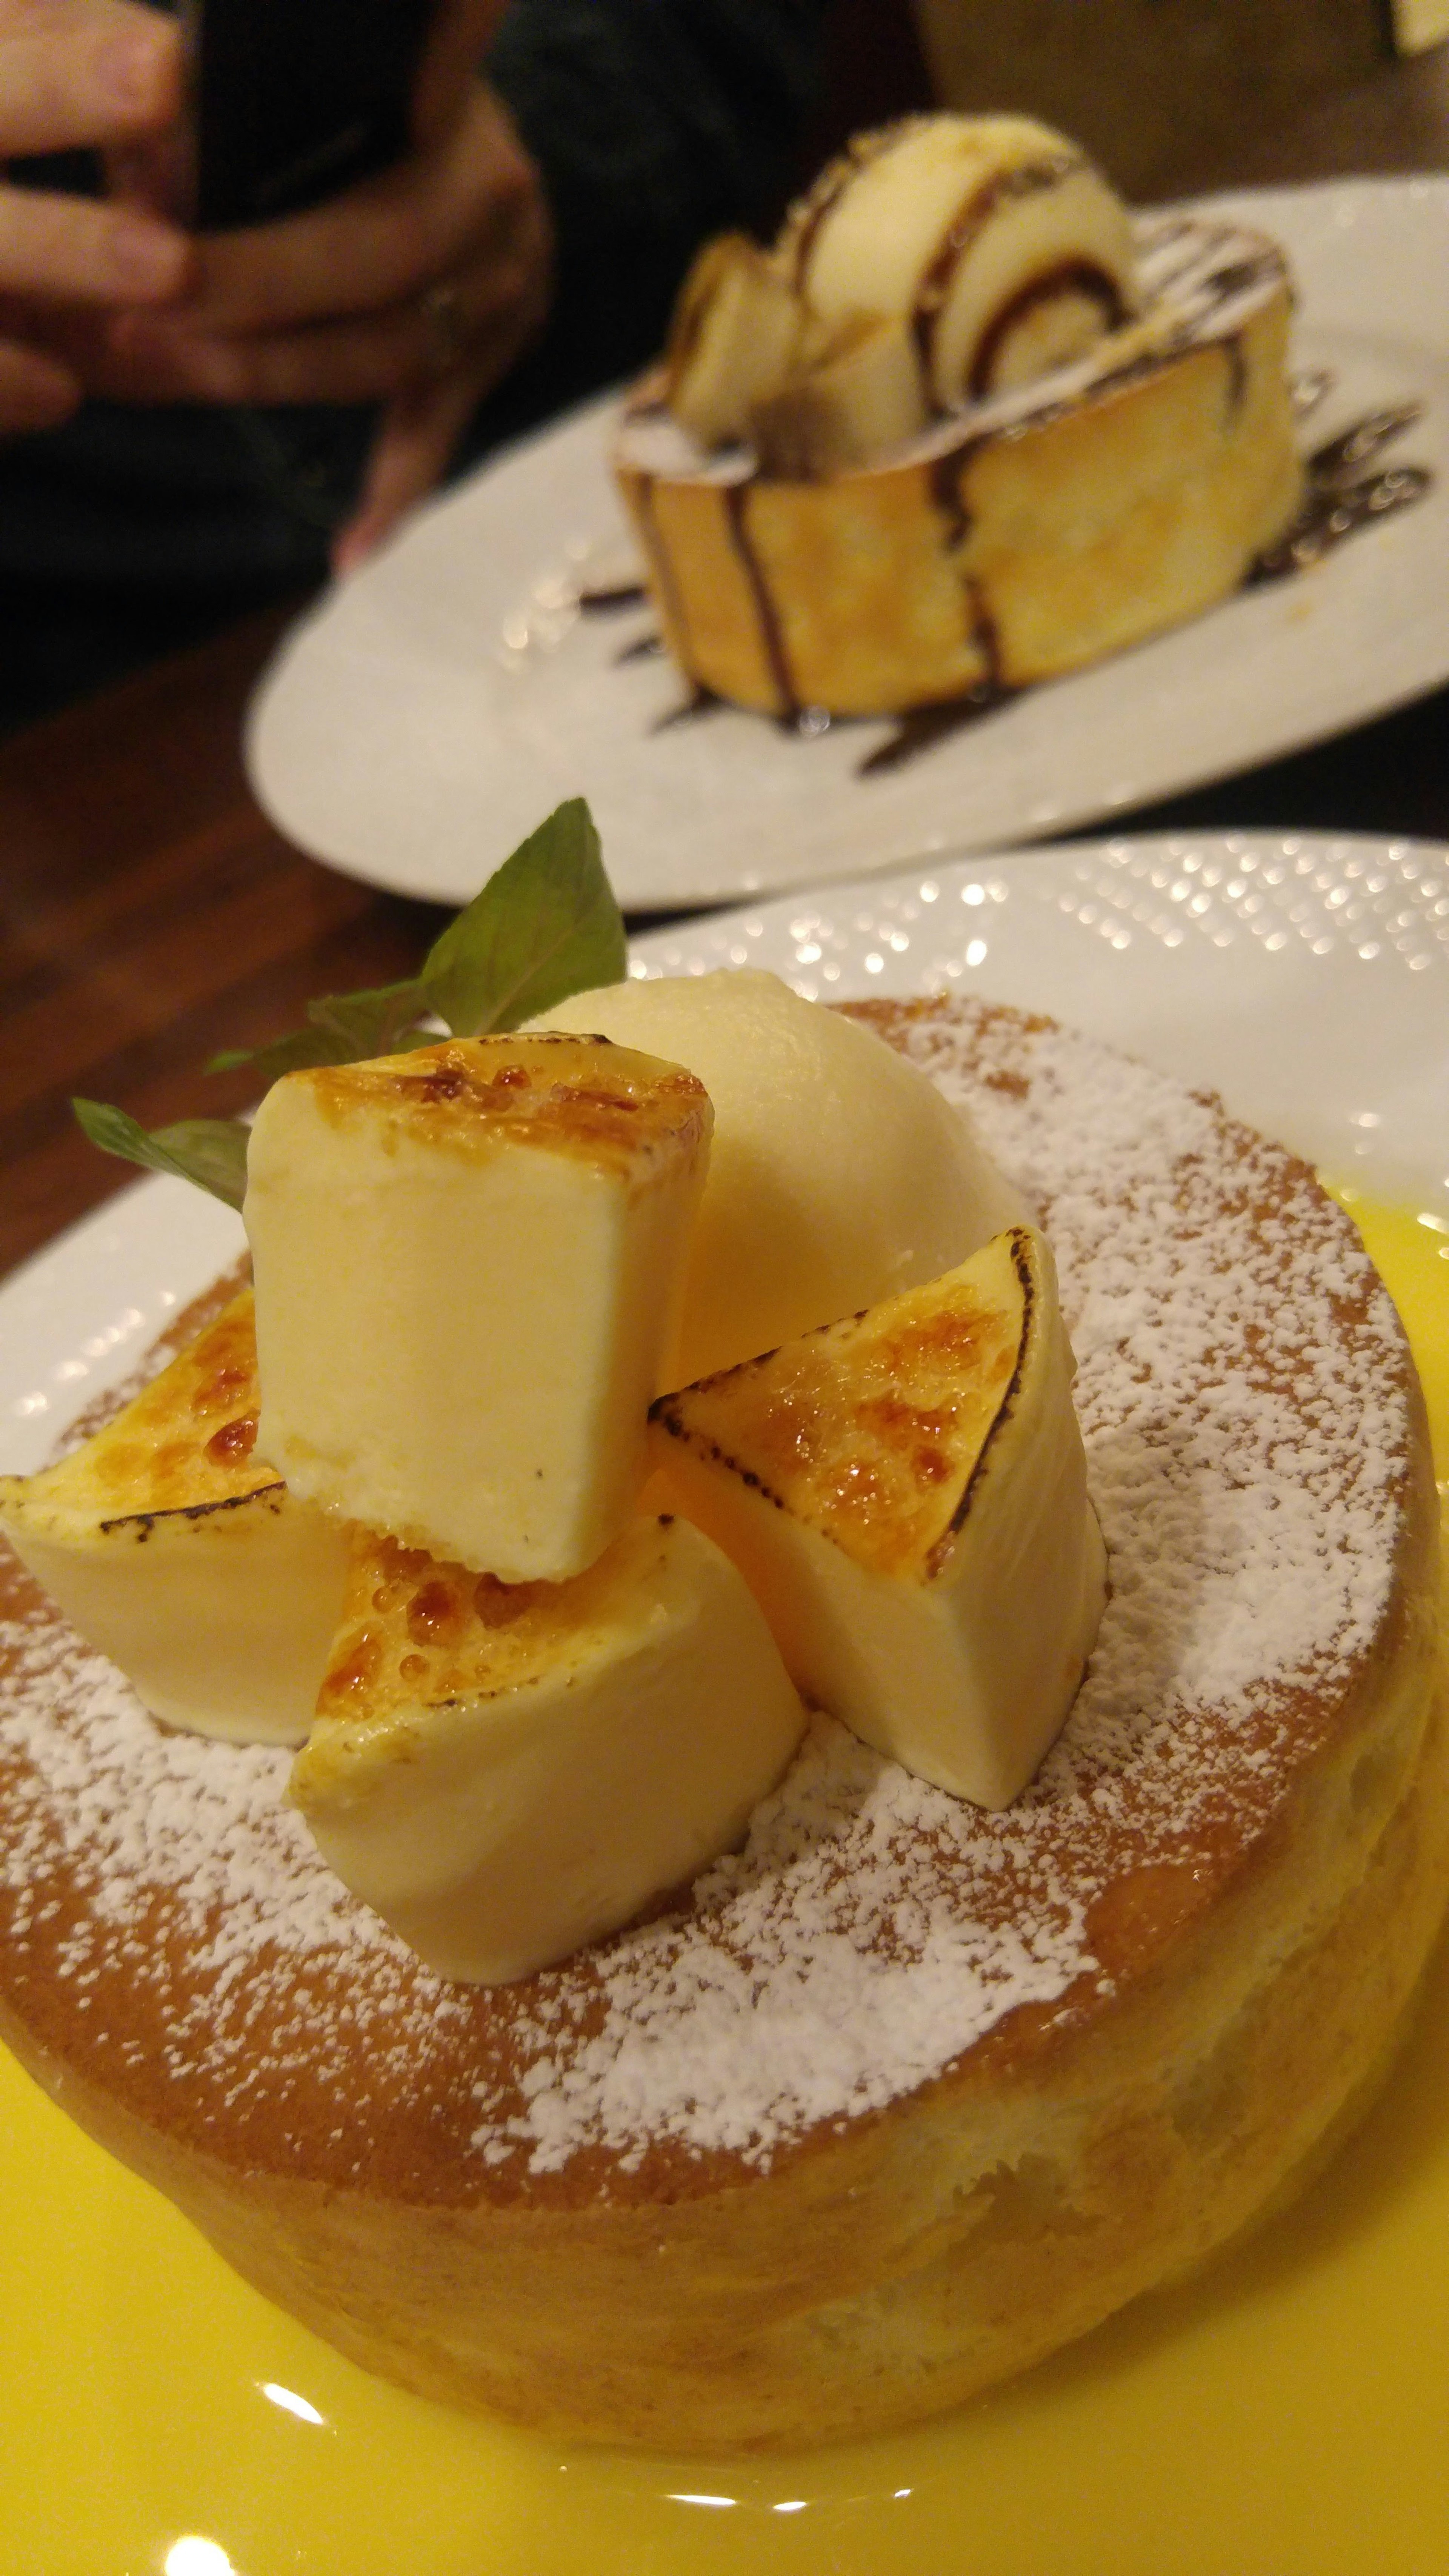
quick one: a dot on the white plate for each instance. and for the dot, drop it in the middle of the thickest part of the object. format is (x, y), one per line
(424, 717)
(1305, 978)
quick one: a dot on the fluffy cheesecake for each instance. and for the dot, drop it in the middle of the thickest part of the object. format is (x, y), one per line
(906, 1493)
(902, 2094)
(503, 1772)
(469, 1262)
(175, 1548)
(1011, 430)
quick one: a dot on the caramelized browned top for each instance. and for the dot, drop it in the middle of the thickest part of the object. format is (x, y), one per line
(419, 1631)
(563, 1094)
(187, 1439)
(869, 1430)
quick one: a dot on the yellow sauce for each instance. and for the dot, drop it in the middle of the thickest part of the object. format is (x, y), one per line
(1283, 2416)
(1411, 1250)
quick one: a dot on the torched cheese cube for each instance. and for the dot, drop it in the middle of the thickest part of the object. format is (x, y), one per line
(175, 1550)
(905, 1493)
(837, 1174)
(505, 1772)
(468, 1266)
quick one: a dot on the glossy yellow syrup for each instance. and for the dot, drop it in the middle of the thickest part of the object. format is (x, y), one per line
(1285, 2415)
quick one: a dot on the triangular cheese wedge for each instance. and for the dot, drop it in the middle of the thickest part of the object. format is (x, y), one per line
(173, 1548)
(905, 1493)
(469, 1262)
(505, 1771)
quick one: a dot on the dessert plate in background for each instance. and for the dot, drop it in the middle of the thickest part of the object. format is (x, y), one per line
(1284, 2416)
(416, 725)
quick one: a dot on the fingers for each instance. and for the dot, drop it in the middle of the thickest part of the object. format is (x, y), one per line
(332, 362)
(154, 175)
(74, 248)
(378, 244)
(79, 72)
(417, 437)
(361, 360)
(456, 46)
(84, 72)
(497, 286)
(36, 390)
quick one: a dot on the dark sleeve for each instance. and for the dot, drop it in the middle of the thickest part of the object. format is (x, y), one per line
(655, 123)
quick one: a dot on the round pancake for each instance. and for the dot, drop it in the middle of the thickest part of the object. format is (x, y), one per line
(902, 2095)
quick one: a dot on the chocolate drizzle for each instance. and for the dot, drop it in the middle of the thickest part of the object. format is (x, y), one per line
(965, 229)
(826, 195)
(766, 613)
(1232, 349)
(988, 641)
(920, 728)
(802, 224)
(1235, 278)
(699, 702)
(1162, 274)
(1068, 277)
(1334, 466)
(606, 596)
(1329, 515)
(1340, 498)
(946, 476)
(645, 648)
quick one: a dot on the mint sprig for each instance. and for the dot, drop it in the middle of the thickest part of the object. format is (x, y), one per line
(212, 1152)
(545, 926)
(341, 1028)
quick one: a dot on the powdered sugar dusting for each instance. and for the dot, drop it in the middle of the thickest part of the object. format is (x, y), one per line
(168, 1836)
(1242, 1394)
(832, 1975)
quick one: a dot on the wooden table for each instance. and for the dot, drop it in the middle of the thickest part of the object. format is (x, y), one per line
(149, 914)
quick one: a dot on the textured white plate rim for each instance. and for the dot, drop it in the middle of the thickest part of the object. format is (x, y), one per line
(367, 746)
(1262, 990)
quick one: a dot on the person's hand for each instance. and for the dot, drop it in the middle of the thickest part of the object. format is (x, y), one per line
(76, 73)
(417, 289)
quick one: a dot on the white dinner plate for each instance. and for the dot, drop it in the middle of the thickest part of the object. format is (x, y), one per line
(418, 723)
(161, 2419)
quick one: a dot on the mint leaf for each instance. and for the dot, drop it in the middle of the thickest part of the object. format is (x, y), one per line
(212, 1152)
(544, 927)
(278, 1056)
(341, 1028)
(382, 1022)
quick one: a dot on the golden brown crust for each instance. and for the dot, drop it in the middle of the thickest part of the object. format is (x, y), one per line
(555, 1092)
(1225, 1907)
(871, 1431)
(186, 1443)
